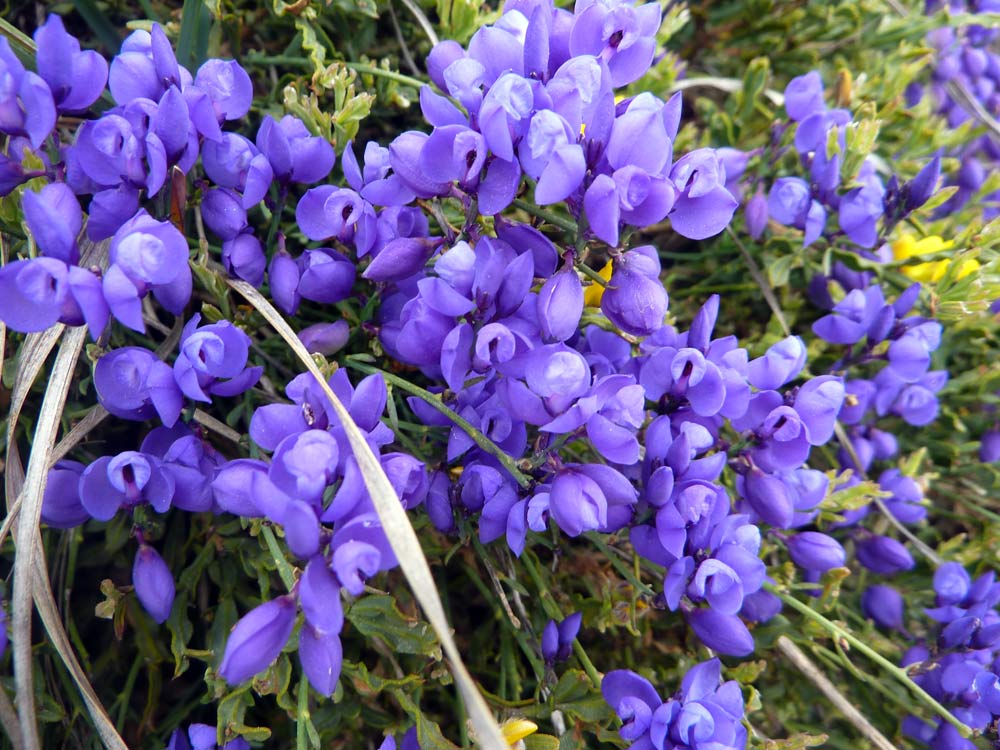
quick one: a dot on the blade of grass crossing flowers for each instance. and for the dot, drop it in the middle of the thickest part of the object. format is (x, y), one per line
(399, 532)
(27, 528)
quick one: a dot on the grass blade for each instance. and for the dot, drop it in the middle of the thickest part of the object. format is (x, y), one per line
(103, 28)
(397, 527)
(27, 529)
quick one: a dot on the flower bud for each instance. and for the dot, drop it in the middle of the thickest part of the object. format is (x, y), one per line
(283, 279)
(815, 551)
(768, 496)
(882, 554)
(325, 338)
(243, 256)
(756, 215)
(154, 584)
(989, 447)
(951, 584)
(635, 299)
(257, 639)
(559, 306)
(550, 641)
(400, 258)
(884, 605)
(723, 633)
(223, 212)
(61, 507)
(321, 656)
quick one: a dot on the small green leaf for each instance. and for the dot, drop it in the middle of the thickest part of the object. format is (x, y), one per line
(379, 616)
(574, 696)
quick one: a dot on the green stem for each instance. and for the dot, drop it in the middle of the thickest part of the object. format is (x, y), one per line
(591, 274)
(389, 74)
(301, 717)
(553, 612)
(876, 657)
(276, 219)
(284, 569)
(424, 395)
(568, 224)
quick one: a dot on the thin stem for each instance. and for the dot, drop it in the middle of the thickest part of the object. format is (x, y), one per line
(806, 666)
(876, 657)
(552, 610)
(591, 274)
(424, 395)
(568, 224)
(302, 716)
(284, 569)
(848, 444)
(388, 74)
(765, 287)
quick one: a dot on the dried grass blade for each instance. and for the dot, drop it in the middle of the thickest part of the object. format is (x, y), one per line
(49, 612)
(397, 526)
(27, 528)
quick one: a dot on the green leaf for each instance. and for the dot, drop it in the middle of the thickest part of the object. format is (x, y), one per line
(754, 82)
(429, 734)
(541, 742)
(939, 198)
(574, 696)
(181, 630)
(379, 616)
(368, 685)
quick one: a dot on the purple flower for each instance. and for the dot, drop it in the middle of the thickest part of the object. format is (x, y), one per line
(76, 78)
(37, 293)
(635, 299)
(815, 551)
(61, 506)
(326, 276)
(781, 364)
(257, 639)
(622, 34)
(989, 446)
(236, 163)
(325, 338)
(212, 361)
(147, 255)
(804, 96)
(132, 383)
(883, 555)
(154, 584)
(125, 480)
(227, 86)
(633, 698)
(321, 656)
(243, 256)
(54, 218)
(722, 632)
(884, 605)
(559, 306)
(550, 154)
(319, 595)
(704, 207)
(294, 154)
(860, 210)
(223, 212)
(26, 105)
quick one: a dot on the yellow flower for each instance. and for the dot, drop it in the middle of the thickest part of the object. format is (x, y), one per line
(515, 730)
(592, 294)
(933, 271)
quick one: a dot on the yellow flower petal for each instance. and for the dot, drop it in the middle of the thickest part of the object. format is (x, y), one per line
(515, 730)
(592, 294)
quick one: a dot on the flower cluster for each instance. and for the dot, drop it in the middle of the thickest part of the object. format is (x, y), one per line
(702, 715)
(866, 212)
(959, 663)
